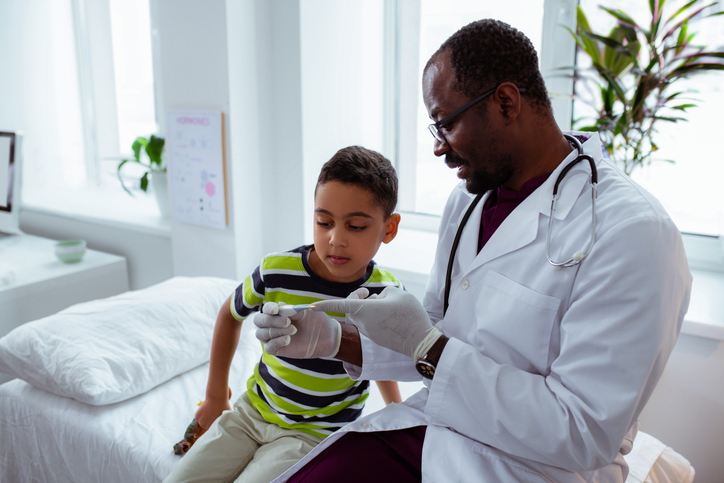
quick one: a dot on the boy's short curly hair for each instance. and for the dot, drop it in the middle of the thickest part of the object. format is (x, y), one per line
(486, 53)
(366, 169)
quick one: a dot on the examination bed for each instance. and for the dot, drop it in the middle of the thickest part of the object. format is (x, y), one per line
(106, 388)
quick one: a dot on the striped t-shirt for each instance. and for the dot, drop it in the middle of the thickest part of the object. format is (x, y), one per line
(311, 395)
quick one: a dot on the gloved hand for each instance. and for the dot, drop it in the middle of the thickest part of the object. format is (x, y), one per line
(394, 319)
(306, 335)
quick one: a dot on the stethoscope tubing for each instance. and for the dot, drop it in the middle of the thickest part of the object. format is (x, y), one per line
(577, 257)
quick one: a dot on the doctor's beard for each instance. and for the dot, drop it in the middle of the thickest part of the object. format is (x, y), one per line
(485, 174)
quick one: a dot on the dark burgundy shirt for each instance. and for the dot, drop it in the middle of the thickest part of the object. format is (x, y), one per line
(500, 204)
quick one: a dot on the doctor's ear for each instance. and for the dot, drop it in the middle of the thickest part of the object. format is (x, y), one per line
(393, 223)
(509, 99)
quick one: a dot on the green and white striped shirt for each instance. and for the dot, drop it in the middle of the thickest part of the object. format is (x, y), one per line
(311, 395)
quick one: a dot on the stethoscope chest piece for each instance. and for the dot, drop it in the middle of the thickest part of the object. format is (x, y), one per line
(578, 256)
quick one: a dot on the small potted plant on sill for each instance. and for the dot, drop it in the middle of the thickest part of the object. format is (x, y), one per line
(155, 169)
(636, 72)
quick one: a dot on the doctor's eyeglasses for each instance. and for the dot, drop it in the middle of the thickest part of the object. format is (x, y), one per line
(434, 128)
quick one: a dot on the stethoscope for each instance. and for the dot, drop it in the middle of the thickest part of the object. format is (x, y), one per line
(577, 257)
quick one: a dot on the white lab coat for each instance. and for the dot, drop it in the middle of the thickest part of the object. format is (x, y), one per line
(546, 370)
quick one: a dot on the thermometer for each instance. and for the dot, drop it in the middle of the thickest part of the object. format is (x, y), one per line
(289, 310)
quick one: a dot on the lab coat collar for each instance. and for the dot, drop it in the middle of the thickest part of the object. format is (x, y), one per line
(520, 228)
(574, 182)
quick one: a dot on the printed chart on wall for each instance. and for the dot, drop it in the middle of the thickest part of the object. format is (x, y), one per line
(197, 176)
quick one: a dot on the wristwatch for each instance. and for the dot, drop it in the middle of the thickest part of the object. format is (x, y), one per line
(427, 365)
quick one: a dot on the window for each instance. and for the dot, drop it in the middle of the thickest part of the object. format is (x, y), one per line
(689, 188)
(421, 28)
(82, 91)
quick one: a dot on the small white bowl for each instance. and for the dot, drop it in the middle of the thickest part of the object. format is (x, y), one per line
(70, 251)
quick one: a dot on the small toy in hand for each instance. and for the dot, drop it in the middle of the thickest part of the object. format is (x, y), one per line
(193, 432)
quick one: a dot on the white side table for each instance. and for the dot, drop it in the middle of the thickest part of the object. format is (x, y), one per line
(42, 285)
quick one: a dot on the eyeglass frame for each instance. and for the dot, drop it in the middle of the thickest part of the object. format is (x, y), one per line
(434, 128)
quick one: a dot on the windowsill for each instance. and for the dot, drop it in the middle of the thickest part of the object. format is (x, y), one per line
(106, 206)
(410, 257)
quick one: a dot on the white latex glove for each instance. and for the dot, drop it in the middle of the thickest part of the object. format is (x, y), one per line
(394, 319)
(306, 335)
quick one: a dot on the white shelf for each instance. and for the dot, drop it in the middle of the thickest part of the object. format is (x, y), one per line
(705, 317)
(35, 284)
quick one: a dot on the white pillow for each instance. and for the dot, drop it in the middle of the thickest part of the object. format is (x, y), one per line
(113, 349)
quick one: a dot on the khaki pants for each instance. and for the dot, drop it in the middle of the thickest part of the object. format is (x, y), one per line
(242, 446)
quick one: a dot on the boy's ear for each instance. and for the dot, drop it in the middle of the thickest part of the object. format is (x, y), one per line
(393, 223)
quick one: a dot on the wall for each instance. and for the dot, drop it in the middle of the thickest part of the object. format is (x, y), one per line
(194, 75)
(265, 127)
(686, 411)
(342, 84)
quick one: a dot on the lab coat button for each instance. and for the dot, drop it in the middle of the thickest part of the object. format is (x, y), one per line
(365, 425)
(465, 284)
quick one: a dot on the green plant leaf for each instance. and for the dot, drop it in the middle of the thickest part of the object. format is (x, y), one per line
(656, 21)
(118, 173)
(639, 99)
(656, 6)
(681, 22)
(587, 45)
(620, 93)
(621, 17)
(144, 182)
(620, 126)
(670, 119)
(154, 149)
(680, 11)
(581, 20)
(703, 54)
(681, 40)
(609, 42)
(136, 147)
(689, 69)
(683, 107)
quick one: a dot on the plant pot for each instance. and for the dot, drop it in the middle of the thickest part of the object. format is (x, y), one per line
(159, 182)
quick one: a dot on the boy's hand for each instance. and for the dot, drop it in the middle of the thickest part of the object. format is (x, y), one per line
(306, 335)
(209, 410)
(394, 319)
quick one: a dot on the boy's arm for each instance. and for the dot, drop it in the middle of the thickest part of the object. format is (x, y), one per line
(390, 391)
(223, 347)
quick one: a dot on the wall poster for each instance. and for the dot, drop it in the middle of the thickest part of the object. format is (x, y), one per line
(197, 168)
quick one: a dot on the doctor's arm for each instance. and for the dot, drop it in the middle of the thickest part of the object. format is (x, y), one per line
(619, 327)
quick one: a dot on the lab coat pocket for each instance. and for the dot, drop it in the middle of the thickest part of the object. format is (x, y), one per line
(514, 323)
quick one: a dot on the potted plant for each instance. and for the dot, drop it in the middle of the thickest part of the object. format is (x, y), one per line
(636, 72)
(154, 167)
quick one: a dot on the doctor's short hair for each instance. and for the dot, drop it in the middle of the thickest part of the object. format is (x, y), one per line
(365, 169)
(488, 52)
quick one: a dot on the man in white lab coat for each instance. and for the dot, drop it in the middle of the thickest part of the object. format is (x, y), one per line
(533, 373)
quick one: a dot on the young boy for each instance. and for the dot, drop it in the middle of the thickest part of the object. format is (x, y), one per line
(292, 403)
